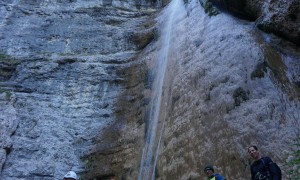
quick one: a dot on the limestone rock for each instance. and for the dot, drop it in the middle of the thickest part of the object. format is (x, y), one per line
(76, 76)
(280, 17)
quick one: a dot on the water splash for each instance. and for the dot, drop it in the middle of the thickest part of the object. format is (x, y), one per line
(171, 15)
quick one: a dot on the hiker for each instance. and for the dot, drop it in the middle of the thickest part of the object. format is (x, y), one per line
(263, 168)
(211, 175)
(71, 175)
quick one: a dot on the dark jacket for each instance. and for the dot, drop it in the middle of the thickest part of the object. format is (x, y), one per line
(264, 169)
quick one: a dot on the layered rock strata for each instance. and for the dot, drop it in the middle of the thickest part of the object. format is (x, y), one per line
(76, 82)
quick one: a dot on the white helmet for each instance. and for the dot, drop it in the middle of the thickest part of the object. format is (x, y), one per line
(71, 174)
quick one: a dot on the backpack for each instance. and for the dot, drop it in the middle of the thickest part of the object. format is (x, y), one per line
(276, 167)
(218, 177)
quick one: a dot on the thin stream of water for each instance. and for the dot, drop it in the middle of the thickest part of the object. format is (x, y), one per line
(151, 146)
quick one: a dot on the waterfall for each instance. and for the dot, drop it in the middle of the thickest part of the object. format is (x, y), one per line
(151, 146)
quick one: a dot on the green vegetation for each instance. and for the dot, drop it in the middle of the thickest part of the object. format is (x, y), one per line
(240, 95)
(8, 60)
(293, 162)
(7, 66)
(7, 93)
(2, 56)
(66, 54)
(209, 8)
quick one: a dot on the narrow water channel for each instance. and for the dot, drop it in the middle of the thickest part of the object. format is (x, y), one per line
(153, 135)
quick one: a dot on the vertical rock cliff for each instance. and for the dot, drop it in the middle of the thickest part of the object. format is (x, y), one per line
(70, 86)
(76, 84)
(229, 86)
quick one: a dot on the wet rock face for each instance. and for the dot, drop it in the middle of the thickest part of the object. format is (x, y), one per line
(74, 87)
(280, 17)
(283, 19)
(226, 88)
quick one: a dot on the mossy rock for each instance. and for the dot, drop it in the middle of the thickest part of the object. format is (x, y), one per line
(259, 71)
(209, 8)
(8, 60)
(142, 39)
(240, 95)
(7, 66)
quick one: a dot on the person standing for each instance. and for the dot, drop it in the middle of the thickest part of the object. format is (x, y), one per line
(211, 175)
(263, 168)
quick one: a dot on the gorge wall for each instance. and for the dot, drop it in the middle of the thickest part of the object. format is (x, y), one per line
(76, 76)
(66, 67)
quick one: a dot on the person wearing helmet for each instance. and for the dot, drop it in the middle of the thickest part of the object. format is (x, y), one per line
(71, 175)
(211, 175)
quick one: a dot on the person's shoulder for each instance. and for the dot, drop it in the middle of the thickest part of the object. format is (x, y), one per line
(267, 159)
(218, 175)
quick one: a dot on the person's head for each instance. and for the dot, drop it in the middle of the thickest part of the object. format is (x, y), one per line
(254, 153)
(209, 170)
(71, 175)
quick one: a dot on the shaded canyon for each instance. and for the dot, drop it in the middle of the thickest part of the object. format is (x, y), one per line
(147, 89)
